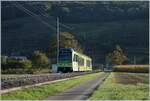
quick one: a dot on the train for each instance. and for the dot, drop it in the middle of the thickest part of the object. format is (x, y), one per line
(72, 61)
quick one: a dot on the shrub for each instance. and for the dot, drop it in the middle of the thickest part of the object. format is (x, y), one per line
(131, 68)
(13, 64)
(39, 60)
(26, 64)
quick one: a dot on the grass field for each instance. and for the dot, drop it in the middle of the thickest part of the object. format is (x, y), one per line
(123, 86)
(41, 92)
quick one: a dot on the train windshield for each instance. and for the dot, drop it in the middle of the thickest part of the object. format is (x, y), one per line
(65, 55)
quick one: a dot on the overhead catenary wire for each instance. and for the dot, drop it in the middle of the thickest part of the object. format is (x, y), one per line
(39, 10)
(57, 24)
(19, 6)
(47, 17)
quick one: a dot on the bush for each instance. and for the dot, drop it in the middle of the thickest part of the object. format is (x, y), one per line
(26, 64)
(13, 64)
(131, 68)
(39, 60)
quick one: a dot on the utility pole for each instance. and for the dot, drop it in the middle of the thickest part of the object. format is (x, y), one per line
(84, 39)
(57, 40)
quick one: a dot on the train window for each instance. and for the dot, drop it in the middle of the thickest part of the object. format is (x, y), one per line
(78, 59)
(81, 61)
(88, 63)
(75, 58)
(65, 55)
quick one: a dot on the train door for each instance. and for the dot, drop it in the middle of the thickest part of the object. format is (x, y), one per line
(75, 63)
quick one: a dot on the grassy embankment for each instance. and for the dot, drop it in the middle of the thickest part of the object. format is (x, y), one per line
(123, 86)
(41, 92)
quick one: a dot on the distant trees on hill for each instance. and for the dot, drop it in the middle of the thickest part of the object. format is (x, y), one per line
(99, 11)
(81, 11)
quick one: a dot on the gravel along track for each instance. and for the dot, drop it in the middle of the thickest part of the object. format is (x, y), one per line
(23, 80)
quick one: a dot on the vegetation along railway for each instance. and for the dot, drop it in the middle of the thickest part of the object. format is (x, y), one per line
(71, 63)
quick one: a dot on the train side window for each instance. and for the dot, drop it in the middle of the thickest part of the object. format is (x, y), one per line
(81, 61)
(75, 58)
(88, 63)
(78, 59)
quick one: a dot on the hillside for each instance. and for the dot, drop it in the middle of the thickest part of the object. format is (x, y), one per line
(98, 26)
(102, 37)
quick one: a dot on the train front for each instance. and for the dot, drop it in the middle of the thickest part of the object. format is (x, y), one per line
(65, 60)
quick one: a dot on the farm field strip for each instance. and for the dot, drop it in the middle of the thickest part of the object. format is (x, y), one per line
(43, 91)
(34, 79)
(131, 78)
(123, 86)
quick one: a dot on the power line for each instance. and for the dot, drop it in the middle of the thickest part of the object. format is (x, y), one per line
(46, 16)
(19, 6)
(57, 34)
(63, 25)
(40, 11)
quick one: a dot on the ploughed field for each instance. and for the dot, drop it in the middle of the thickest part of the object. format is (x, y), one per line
(10, 81)
(123, 86)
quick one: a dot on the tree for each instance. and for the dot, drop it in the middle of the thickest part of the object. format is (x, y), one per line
(67, 40)
(39, 60)
(116, 57)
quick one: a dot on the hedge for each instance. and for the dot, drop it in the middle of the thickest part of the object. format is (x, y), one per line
(17, 65)
(131, 68)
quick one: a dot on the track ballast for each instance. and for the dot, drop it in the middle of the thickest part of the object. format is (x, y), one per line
(12, 81)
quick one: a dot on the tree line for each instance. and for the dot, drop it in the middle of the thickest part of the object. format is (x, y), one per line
(43, 60)
(39, 60)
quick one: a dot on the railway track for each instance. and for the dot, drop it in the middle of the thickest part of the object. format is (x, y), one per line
(11, 81)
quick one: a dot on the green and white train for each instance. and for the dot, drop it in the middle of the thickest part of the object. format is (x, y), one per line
(70, 61)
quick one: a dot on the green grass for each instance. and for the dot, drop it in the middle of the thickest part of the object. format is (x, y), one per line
(115, 88)
(41, 92)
